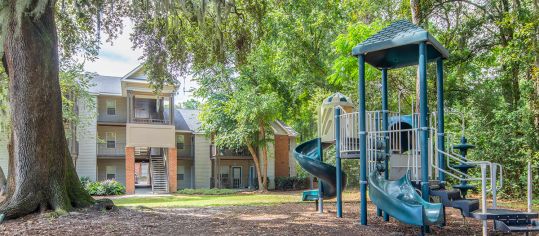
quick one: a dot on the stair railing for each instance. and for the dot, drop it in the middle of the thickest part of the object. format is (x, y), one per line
(165, 164)
(492, 167)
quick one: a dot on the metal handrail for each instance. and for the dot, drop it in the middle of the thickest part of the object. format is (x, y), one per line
(349, 136)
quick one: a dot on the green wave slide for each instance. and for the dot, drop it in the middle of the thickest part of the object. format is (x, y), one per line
(308, 156)
(399, 199)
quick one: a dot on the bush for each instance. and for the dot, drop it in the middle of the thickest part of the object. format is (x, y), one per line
(291, 183)
(85, 180)
(95, 189)
(113, 187)
(107, 187)
(207, 191)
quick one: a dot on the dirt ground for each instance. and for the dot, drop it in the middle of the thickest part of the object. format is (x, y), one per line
(283, 219)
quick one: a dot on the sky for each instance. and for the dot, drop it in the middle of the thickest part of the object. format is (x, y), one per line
(119, 58)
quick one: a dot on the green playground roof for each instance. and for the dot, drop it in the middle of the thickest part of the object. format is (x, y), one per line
(398, 46)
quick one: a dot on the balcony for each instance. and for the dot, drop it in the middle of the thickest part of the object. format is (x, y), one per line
(150, 121)
(104, 118)
(187, 152)
(108, 150)
(225, 153)
(150, 135)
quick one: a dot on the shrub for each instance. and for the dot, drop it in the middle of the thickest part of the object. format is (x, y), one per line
(291, 183)
(85, 180)
(95, 189)
(207, 191)
(113, 187)
(107, 187)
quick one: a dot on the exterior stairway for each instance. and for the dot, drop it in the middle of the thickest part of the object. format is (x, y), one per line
(142, 151)
(159, 175)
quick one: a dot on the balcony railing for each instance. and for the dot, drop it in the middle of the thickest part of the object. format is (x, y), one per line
(151, 121)
(186, 153)
(111, 118)
(230, 152)
(107, 149)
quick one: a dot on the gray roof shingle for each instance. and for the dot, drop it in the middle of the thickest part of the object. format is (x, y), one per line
(186, 120)
(109, 85)
(397, 46)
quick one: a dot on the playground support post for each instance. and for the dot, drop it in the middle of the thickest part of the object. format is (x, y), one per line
(320, 189)
(484, 196)
(362, 141)
(440, 115)
(385, 127)
(423, 122)
(338, 160)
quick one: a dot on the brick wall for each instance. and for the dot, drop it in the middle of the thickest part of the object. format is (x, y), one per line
(282, 166)
(172, 170)
(130, 170)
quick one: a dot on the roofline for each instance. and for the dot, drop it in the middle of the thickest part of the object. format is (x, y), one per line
(106, 94)
(286, 128)
(132, 72)
(183, 131)
(405, 40)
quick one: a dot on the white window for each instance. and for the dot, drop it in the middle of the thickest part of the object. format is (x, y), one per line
(180, 141)
(224, 171)
(111, 172)
(110, 138)
(181, 173)
(111, 107)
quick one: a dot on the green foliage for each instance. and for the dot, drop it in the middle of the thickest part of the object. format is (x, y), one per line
(74, 85)
(85, 180)
(191, 104)
(95, 189)
(107, 187)
(206, 191)
(291, 183)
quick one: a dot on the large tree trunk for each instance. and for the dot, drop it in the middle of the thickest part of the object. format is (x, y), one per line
(256, 160)
(415, 9)
(42, 175)
(264, 155)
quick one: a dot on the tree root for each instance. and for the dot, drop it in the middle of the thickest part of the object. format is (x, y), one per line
(104, 204)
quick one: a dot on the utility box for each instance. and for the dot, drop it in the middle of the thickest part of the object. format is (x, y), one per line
(326, 117)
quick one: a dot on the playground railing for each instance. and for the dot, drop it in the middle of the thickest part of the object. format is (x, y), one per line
(406, 142)
(491, 177)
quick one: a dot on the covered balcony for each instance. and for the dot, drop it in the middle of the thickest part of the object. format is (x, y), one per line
(111, 150)
(148, 125)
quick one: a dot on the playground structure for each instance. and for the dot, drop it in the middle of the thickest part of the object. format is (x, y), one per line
(401, 153)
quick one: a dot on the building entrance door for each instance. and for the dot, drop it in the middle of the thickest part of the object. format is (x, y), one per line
(236, 177)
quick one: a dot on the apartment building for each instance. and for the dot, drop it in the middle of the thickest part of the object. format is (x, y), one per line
(130, 134)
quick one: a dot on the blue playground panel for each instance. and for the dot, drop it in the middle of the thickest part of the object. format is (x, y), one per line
(310, 195)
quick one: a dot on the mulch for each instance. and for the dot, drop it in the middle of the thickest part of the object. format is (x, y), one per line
(282, 219)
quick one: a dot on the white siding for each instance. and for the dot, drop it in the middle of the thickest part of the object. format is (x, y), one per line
(186, 166)
(202, 162)
(86, 135)
(271, 164)
(119, 165)
(121, 109)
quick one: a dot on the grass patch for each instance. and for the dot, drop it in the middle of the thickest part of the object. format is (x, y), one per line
(179, 200)
(207, 191)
